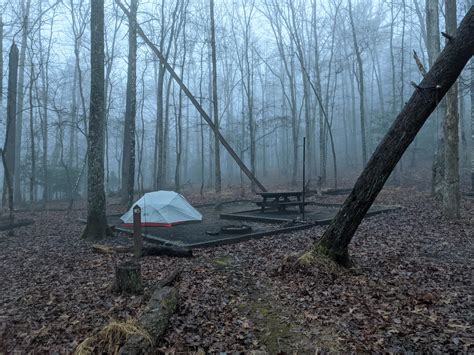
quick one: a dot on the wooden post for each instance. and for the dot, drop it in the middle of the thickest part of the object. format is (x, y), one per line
(137, 232)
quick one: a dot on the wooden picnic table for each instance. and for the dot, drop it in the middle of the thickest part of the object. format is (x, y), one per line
(281, 200)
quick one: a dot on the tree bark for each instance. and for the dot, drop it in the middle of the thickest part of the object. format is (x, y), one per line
(128, 156)
(452, 193)
(472, 124)
(96, 227)
(444, 72)
(8, 154)
(360, 82)
(21, 94)
(215, 106)
(433, 47)
(154, 321)
(1, 65)
(128, 278)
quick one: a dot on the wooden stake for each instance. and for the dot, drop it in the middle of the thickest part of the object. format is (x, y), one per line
(137, 232)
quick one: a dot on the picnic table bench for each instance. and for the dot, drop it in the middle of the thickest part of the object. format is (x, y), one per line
(281, 200)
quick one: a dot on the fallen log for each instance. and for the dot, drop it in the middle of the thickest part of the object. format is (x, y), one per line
(137, 336)
(16, 224)
(171, 278)
(154, 321)
(152, 250)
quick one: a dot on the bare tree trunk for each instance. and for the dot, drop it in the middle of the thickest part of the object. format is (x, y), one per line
(470, 3)
(160, 146)
(33, 78)
(472, 124)
(360, 82)
(179, 115)
(452, 194)
(43, 97)
(128, 156)
(443, 74)
(1, 66)
(96, 227)
(8, 152)
(201, 126)
(322, 138)
(433, 46)
(215, 106)
(21, 92)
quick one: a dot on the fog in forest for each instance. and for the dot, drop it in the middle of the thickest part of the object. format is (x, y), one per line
(236, 176)
(336, 72)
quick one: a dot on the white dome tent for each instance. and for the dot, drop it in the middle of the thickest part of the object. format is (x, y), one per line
(162, 209)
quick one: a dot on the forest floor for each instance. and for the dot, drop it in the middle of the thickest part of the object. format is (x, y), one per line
(411, 287)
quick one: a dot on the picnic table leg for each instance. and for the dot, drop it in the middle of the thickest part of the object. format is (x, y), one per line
(263, 205)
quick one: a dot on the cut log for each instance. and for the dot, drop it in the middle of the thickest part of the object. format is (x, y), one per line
(154, 321)
(128, 278)
(444, 72)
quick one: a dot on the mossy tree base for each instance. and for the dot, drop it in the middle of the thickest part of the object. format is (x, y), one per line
(322, 256)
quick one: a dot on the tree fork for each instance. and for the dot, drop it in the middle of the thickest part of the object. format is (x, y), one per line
(442, 75)
(193, 100)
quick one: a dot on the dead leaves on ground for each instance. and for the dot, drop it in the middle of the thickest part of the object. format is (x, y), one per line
(410, 289)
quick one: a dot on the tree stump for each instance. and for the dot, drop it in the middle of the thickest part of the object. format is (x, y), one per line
(128, 277)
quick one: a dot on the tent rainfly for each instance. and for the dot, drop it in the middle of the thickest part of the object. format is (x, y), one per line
(162, 209)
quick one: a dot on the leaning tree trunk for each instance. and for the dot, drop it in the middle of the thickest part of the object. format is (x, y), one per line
(459, 49)
(452, 194)
(96, 227)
